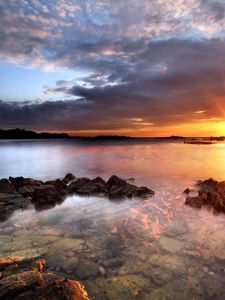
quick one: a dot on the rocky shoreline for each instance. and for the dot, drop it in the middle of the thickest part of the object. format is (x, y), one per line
(211, 194)
(22, 274)
(23, 277)
(21, 193)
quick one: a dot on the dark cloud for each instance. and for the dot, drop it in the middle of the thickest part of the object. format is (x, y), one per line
(166, 85)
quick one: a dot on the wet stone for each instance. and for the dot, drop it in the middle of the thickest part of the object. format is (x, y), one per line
(69, 265)
(170, 245)
(87, 269)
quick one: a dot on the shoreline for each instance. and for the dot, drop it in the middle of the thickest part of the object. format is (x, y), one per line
(22, 193)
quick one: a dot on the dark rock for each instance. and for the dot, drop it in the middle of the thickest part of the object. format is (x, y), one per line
(45, 194)
(115, 188)
(27, 190)
(116, 181)
(143, 192)
(6, 186)
(187, 191)
(21, 181)
(194, 201)
(211, 194)
(48, 194)
(85, 186)
(59, 184)
(33, 284)
(69, 177)
(10, 202)
(127, 190)
(119, 188)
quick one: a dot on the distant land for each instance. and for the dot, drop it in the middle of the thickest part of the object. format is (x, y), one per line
(28, 134)
(25, 134)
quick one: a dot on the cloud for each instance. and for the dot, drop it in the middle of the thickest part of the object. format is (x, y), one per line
(145, 63)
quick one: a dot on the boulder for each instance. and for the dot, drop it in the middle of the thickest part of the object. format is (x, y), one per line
(86, 186)
(21, 181)
(211, 194)
(143, 192)
(69, 177)
(116, 181)
(45, 194)
(194, 201)
(59, 184)
(6, 186)
(27, 190)
(33, 284)
(23, 276)
(120, 188)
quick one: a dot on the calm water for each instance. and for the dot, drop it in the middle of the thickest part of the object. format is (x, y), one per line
(152, 249)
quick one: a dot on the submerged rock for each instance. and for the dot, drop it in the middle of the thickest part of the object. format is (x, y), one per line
(211, 194)
(87, 269)
(10, 202)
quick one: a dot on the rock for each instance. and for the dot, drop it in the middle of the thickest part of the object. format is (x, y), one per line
(6, 186)
(126, 287)
(26, 279)
(87, 269)
(27, 190)
(69, 264)
(69, 177)
(211, 194)
(21, 256)
(85, 186)
(187, 191)
(119, 188)
(170, 245)
(113, 262)
(65, 245)
(21, 181)
(59, 185)
(11, 202)
(14, 192)
(35, 285)
(45, 194)
(143, 192)
(102, 271)
(194, 201)
(39, 264)
(116, 181)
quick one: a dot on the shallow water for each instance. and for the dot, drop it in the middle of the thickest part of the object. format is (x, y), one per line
(164, 250)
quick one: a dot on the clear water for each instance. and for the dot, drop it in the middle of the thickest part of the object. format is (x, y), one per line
(166, 249)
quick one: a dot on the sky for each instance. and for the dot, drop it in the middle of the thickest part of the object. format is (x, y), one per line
(128, 67)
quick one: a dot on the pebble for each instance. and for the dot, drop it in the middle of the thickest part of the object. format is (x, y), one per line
(211, 273)
(102, 271)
